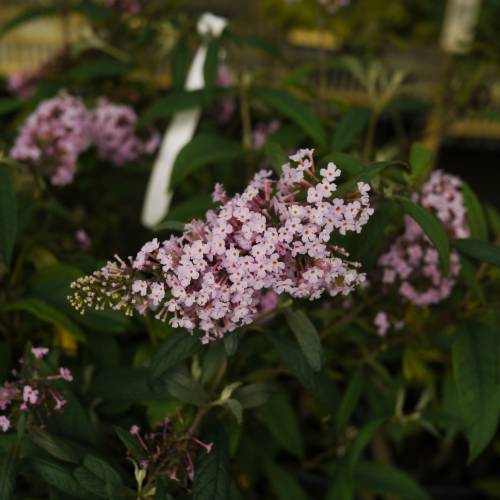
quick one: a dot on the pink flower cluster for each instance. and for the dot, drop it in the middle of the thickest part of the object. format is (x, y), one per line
(61, 128)
(113, 134)
(31, 391)
(53, 137)
(412, 262)
(127, 6)
(274, 236)
(166, 453)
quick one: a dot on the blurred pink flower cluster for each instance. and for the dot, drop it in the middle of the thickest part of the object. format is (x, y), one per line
(274, 236)
(61, 128)
(412, 262)
(32, 391)
(113, 134)
(166, 453)
(53, 137)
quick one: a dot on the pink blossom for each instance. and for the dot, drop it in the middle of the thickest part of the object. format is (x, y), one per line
(53, 136)
(30, 395)
(4, 423)
(381, 321)
(412, 263)
(264, 239)
(39, 352)
(65, 374)
(134, 430)
(113, 134)
(83, 239)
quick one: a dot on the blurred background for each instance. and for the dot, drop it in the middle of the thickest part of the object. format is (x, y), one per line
(448, 51)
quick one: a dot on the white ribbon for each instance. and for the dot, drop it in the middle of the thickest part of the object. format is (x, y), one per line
(180, 130)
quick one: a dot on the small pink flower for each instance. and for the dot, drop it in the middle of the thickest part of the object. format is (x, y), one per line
(65, 374)
(39, 352)
(382, 323)
(30, 395)
(134, 430)
(4, 423)
(83, 239)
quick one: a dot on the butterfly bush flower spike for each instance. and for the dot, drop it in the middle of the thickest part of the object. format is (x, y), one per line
(53, 136)
(412, 263)
(275, 236)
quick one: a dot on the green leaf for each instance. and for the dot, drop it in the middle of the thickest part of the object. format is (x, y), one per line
(9, 104)
(284, 484)
(170, 225)
(348, 164)
(431, 227)
(125, 383)
(341, 486)
(349, 128)
(349, 401)
(162, 491)
(253, 395)
(231, 343)
(98, 477)
(170, 104)
(57, 447)
(363, 437)
(316, 383)
(307, 336)
(104, 67)
(475, 214)
(478, 249)
(281, 421)
(258, 42)
(8, 217)
(211, 65)
(386, 479)
(295, 110)
(182, 387)
(47, 313)
(374, 238)
(179, 346)
(475, 367)
(8, 467)
(235, 408)
(203, 149)
(211, 481)
(276, 155)
(129, 441)
(420, 159)
(58, 476)
(366, 175)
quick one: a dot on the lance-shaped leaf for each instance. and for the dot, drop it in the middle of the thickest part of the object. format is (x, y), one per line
(475, 214)
(386, 479)
(479, 250)
(8, 217)
(307, 336)
(475, 366)
(294, 109)
(284, 484)
(431, 227)
(211, 480)
(204, 149)
(349, 128)
(179, 346)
